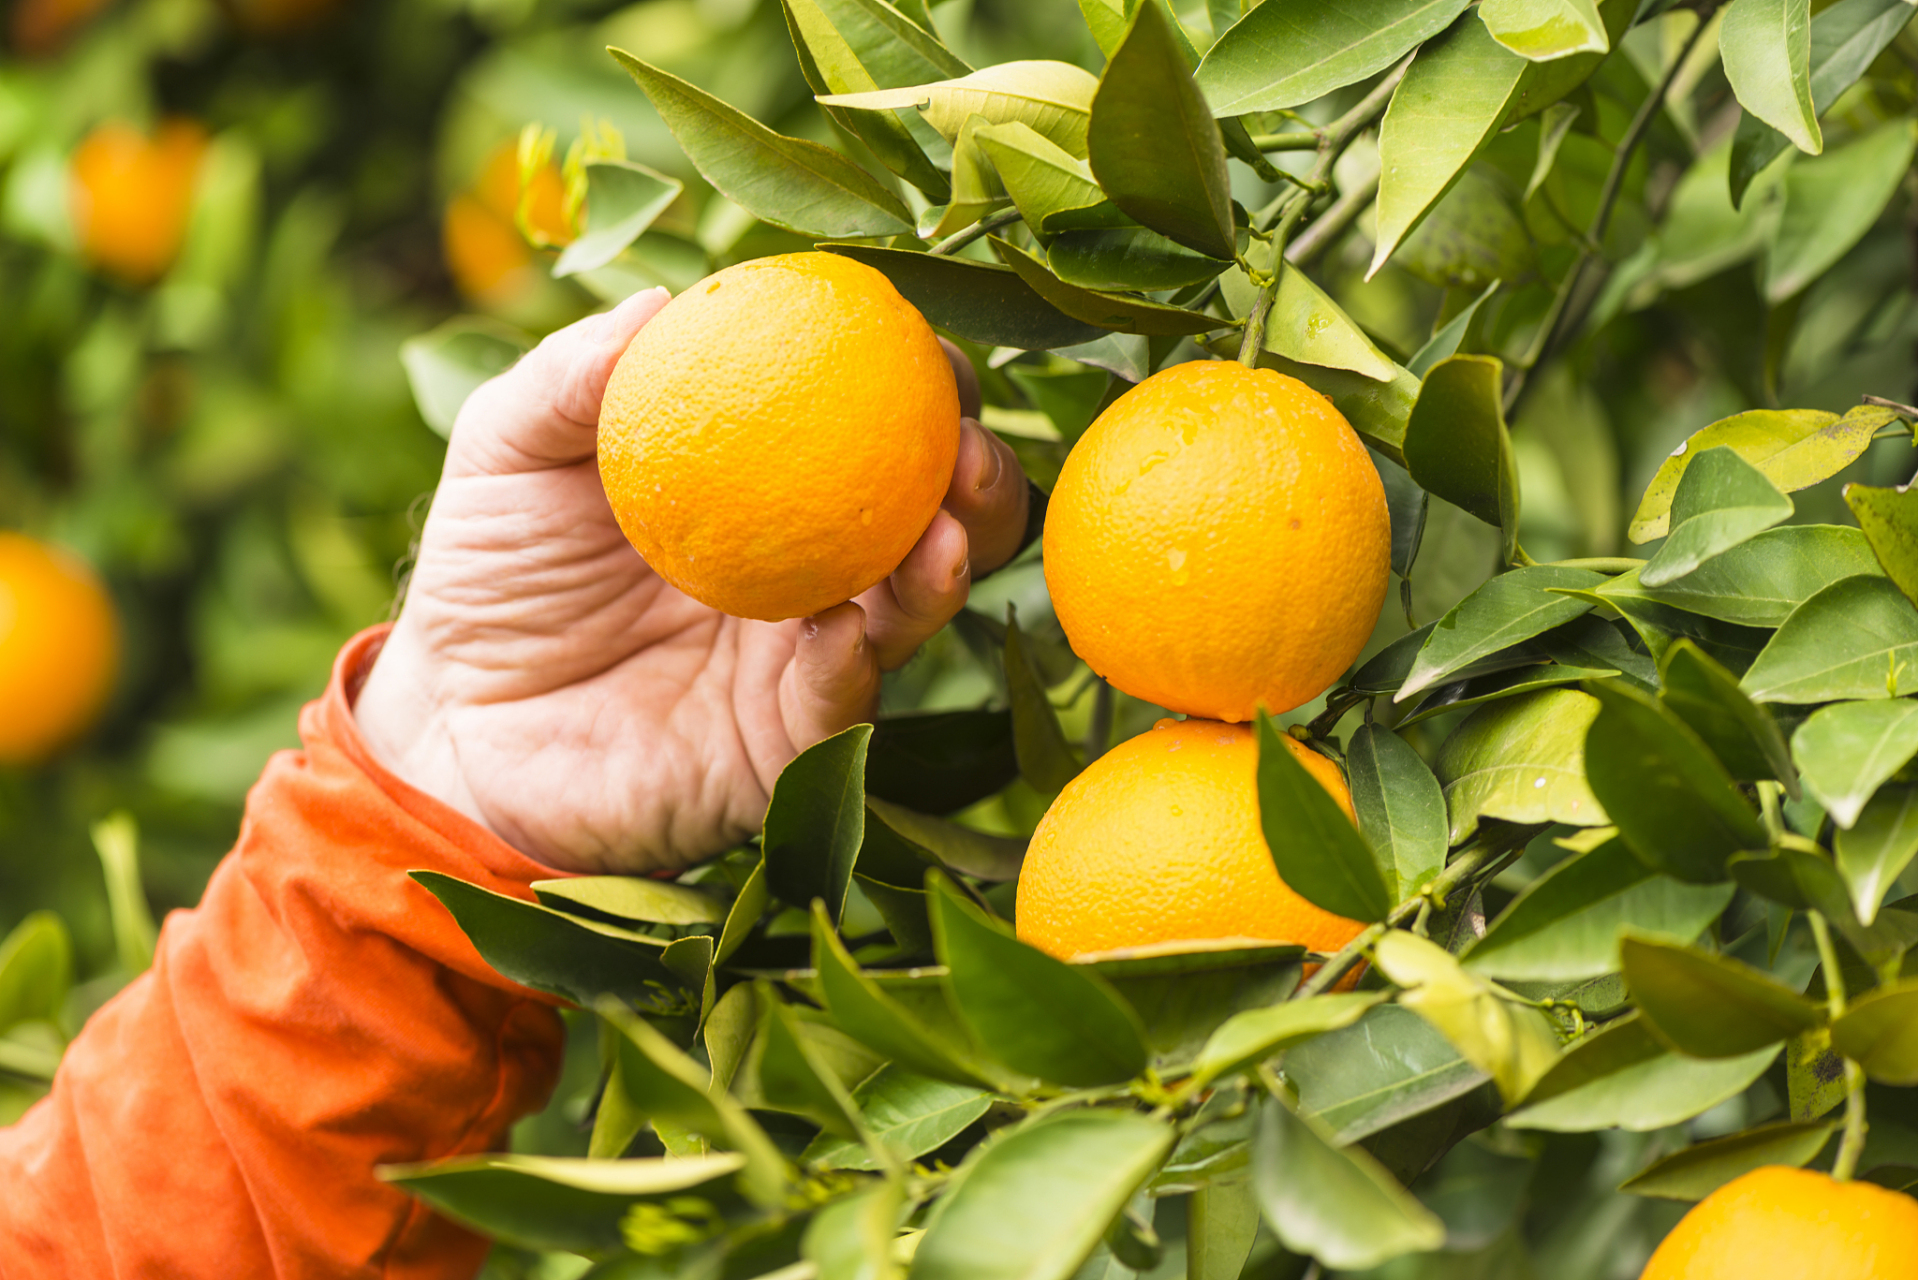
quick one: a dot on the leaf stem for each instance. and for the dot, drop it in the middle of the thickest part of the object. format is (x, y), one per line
(1600, 564)
(1286, 141)
(1328, 226)
(1852, 1145)
(966, 235)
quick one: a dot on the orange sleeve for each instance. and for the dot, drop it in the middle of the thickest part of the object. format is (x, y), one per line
(317, 1015)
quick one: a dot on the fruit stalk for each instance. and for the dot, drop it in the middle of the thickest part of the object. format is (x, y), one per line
(1852, 1145)
(966, 235)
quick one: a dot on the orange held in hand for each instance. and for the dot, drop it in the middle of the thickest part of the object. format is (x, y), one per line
(58, 647)
(1218, 541)
(132, 196)
(1158, 841)
(1778, 1221)
(776, 440)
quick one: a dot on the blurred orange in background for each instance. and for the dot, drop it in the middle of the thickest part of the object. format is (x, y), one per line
(132, 195)
(59, 647)
(489, 259)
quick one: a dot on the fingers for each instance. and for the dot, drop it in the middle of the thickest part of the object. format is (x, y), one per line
(988, 496)
(966, 376)
(544, 411)
(833, 679)
(922, 595)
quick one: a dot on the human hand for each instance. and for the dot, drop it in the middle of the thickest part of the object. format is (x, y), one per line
(542, 680)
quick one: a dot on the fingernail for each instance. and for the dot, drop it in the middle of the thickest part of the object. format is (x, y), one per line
(995, 464)
(963, 568)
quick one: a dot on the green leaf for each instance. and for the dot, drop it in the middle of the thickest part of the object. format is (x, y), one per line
(911, 1114)
(1053, 189)
(1794, 448)
(1623, 1078)
(852, 1237)
(1875, 851)
(788, 182)
(1118, 312)
(1221, 1222)
(1511, 608)
(816, 821)
(1400, 808)
(1699, 1170)
(1880, 1032)
(1744, 737)
(1046, 759)
(792, 1077)
(1038, 1015)
(1721, 502)
(1847, 751)
(1339, 1206)
(1475, 235)
(1857, 638)
(1385, 1068)
(1126, 258)
(1542, 30)
(1456, 444)
(1304, 324)
(1830, 203)
(1567, 924)
(1444, 344)
(940, 761)
(1152, 143)
(1285, 54)
(446, 365)
(1460, 694)
(622, 200)
(1889, 519)
(1521, 760)
(1248, 1038)
(1054, 98)
(1182, 997)
(1766, 49)
(1659, 625)
(1711, 1006)
(1034, 1201)
(745, 912)
(1758, 583)
(1673, 802)
(1515, 1043)
(36, 971)
(553, 1202)
(617, 899)
(1318, 852)
(982, 856)
(573, 958)
(1378, 411)
(1407, 505)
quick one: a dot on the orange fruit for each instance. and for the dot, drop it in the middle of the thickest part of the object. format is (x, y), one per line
(1218, 541)
(487, 256)
(58, 647)
(1158, 841)
(1778, 1221)
(132, 195)
(779, 436)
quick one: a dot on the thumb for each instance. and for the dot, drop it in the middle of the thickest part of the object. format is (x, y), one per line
(544, 411)
(832, 682)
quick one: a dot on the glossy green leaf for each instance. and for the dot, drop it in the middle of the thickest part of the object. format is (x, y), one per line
(36, 970)
(1659, 625)
(792, 1076)
(1876, 849)
(1378, 411)
(570, 957)
(1248, 1038)
(1766, 49)
(1182, 1004)
(1514, 1043)
(1153, 145)
(1038, 1015)
(1444, 344)
(1127, 258)
(1046, 759)
(1543, 30)
(1473, 236)
(911, 1114)
(1456, 445)
(816, 821)
(1521, 760)
(1400, 808)
(1288, 53)
(745, 912)
(1567, 923)
(789, 182)
(1053, 189)
(1385, 1068)
(1317, 850)
(1795, 448)
(1304, 324)
(1221, 1222)
(1460, 694)
(1721, 501)
(1511, 608)
(1699, 1170)
(1879, 1031)
(1673, 802)
(852, 1238)
(1758, 583)
(1339, 1206)
(1118, 312)
(1889, 519)
(979, 301)
(1845, 752)
(1702, 693)
(1831, 201)
(940, 761)
(623, 198)
(631, 898)
(1054, 98)
(1711, 1006)
(1858, 638)
(447, 364)
(1036, 1200)
(1407, 505)
(552, 1202)
(985, 857)
(1623, 1078)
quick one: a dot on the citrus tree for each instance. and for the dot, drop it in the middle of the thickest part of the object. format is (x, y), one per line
(1633, 834)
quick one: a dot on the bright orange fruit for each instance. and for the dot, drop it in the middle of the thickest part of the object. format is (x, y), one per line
(487, 256)
(132, 195)
(59, 645)
(1158, 841)
(1778, 1221)
(1218, 541)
